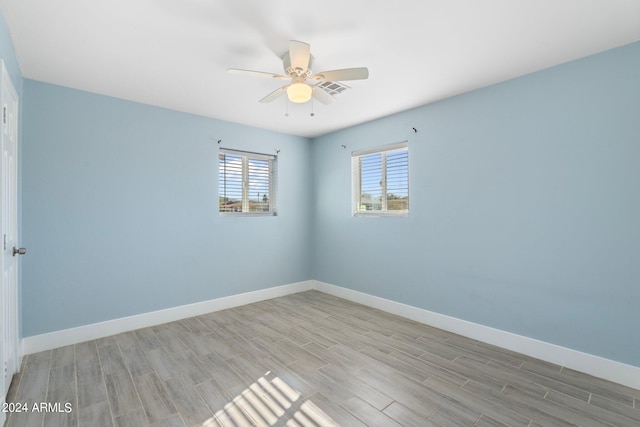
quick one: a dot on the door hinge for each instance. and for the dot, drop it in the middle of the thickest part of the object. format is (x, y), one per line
(4, 243)
(4, 114)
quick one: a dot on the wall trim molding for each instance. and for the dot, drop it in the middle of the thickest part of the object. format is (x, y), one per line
(51, 340)
(597, 366)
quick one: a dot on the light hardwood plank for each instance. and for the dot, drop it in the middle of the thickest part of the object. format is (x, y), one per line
(188, 402)
(111, 359)
(123, 396)
(136, 418)
(367, 413)
(155, 400)
(98, 415)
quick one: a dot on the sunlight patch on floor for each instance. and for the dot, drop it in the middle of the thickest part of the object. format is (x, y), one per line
(267, 401)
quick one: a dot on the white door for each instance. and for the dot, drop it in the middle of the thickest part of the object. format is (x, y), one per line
(9, 236)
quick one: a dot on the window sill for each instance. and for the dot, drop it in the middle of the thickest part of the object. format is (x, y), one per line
(375, 214)
(240, 214)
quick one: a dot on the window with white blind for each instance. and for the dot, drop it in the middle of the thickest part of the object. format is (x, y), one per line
(246, 183)
(381, 180)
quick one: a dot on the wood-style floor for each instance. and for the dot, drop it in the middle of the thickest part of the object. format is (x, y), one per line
(307, 359)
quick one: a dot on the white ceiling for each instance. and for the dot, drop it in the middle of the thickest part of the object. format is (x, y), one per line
(174, 53)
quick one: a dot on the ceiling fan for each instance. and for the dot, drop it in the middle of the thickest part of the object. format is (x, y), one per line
(297, 66)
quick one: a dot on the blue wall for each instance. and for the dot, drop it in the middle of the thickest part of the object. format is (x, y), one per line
(120, 210)
(524, 207)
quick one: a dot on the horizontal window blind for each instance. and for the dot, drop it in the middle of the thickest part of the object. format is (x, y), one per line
(397, 191)
(381, 180)
(246, 182)
(230, 179)
(259, 185)
(371, 182)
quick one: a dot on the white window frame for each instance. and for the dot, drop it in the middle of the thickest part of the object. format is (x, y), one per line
(356, 178)
(246, 157)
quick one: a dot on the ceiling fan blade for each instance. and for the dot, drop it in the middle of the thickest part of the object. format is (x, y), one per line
(275, 94)
(299, 54)
(256, 74)
(359, 73)
(322, 96)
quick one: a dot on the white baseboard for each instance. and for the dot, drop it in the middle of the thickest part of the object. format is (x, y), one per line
(611, 370)
(51, 340)
(594, 365)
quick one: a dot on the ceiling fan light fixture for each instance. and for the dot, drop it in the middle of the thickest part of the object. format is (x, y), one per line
(299, 93)
(297, 63)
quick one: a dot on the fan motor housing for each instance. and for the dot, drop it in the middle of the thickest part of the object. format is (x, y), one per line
(293, 72)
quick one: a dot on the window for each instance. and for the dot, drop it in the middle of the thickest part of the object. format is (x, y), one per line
(246, 182)
(381, 180)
